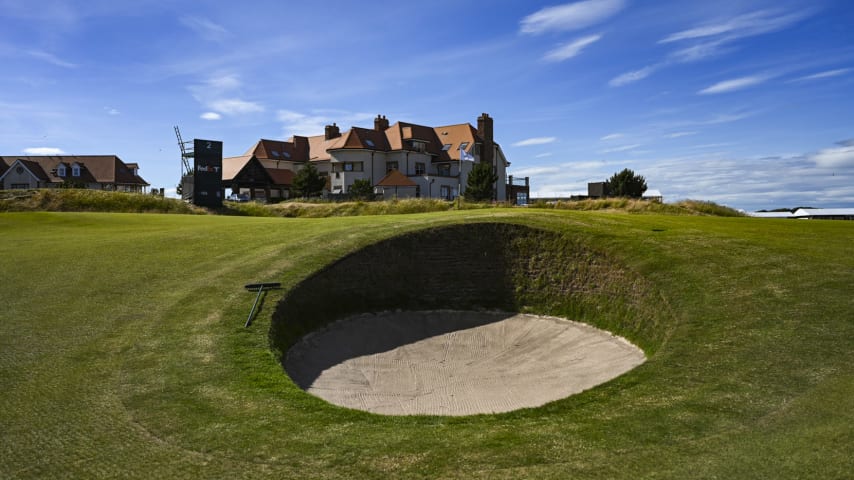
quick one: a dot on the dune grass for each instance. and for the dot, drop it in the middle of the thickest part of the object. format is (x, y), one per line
(123, 354)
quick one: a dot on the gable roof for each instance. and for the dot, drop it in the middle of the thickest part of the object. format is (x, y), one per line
(395, 179)
(231, 166)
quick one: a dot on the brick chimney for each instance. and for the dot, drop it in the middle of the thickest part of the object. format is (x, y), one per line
(332, 131)
(484, 130)
(380, 123)
(300, 149)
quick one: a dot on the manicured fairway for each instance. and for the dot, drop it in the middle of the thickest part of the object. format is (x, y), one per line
(123, 354)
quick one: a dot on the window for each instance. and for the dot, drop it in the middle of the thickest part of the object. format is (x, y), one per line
(444, 169)
(446, 147)
(20, 186)
(275, 153)
(347, 167)
(370, 143)
(389, 166)
(445, 192)
(60, 170)
(464, 145)
(477, 149)
(420, 168)
(75, 170)
(419, 146)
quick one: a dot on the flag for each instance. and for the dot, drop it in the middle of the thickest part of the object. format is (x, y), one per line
(465, 156)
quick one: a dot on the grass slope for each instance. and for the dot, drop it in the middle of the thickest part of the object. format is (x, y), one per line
(122, 353)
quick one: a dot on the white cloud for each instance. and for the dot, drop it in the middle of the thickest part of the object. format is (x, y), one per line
(837, 157)
(631, 77)
(219, 94)
(826, 74)
(44, 151)
(572, 49)
(624, 148)
(750, 24)
(543, 155)
(612, 136)
(679, 134)
(235, 106)
(534, 141)
(206, 28)
(112, 111)
(733, 85)
(210, 116)
(51, 58)
(571, 16)
(303, 124)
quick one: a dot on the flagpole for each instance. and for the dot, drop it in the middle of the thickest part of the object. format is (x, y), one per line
(460, 181)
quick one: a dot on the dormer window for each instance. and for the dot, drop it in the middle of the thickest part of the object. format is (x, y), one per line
(60, 170)
(418, 146)
(75, 170)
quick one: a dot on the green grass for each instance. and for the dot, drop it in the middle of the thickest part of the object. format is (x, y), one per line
(123, 354)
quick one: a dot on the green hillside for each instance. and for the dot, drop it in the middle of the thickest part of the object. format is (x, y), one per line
(123, 352)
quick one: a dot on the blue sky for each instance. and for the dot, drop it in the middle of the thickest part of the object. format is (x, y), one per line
(747, 103)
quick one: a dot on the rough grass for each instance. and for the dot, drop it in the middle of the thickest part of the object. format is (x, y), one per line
(82, 200)
(619, 204)
(123, 354)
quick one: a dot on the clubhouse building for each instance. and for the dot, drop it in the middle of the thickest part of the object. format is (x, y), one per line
(400, 160)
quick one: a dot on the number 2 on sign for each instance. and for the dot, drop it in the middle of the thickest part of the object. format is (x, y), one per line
(209, 145)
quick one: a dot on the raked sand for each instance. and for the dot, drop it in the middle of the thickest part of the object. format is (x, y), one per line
(455, 362)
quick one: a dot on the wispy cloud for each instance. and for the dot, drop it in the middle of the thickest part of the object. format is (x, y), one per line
(571, 49)
(750, 24)
(679, 134)
(733, 85)
(714, 39)
(825, 74)
(535, 141)
(543, 155)
(210, 116)
(44, 151)
(624, 148)
(112, 111)
(51, 58)
(633, 76)
(206, 28)
(698, 52)
(611, 136)
(570, 16)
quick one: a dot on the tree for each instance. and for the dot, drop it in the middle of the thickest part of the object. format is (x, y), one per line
(308, 182)
(481, 182)
(626, 184)
(362, 189)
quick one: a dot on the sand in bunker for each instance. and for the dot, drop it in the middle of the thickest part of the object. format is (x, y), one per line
(455, 363)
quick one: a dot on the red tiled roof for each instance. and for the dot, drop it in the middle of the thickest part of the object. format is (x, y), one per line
(455, 135)
(395, 179)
